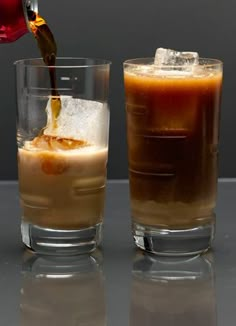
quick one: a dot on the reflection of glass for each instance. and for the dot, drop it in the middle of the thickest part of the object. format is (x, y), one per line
(174, 292)
(62, 291)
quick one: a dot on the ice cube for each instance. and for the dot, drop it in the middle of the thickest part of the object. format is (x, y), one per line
(78, 119)
(168, 57)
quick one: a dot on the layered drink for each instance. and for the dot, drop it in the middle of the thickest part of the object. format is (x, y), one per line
(62, 135)
(62, 170)
(172, 130)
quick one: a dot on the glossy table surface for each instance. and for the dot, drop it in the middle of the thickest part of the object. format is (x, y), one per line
(118, 285)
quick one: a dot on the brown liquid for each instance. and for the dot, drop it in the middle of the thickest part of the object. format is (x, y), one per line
(48, 49)
(53, 143)
(62, 183)
(172, 126)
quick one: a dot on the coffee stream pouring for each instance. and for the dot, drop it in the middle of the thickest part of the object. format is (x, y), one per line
(17, 17)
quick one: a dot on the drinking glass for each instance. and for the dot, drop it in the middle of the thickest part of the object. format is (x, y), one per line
(173, 131)
(62, 136)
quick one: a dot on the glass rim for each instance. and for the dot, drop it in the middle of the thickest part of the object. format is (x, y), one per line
(206, 62)
(39, 63)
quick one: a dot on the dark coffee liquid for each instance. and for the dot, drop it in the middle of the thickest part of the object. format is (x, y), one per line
(172, 126)
(48, 49)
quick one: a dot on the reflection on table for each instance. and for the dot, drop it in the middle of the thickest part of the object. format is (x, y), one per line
(62, 291)
(169, 291)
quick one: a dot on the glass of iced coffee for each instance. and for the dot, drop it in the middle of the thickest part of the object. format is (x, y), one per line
(62, 135)
(172, 109)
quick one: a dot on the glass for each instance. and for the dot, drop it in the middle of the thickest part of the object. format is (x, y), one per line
(62, 154)
(172, 131)
(173, 291)
(62, 291)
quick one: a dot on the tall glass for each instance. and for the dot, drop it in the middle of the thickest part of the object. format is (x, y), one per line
(173, 131)
(62, 135)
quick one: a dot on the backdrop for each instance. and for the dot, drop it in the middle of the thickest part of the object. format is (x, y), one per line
(118, 30)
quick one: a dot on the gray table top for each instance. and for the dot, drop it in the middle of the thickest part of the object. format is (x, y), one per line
(118, 285)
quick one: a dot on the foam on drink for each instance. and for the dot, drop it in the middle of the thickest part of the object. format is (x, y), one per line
(169, 63)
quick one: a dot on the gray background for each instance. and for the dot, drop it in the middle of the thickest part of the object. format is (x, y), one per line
(118, 30)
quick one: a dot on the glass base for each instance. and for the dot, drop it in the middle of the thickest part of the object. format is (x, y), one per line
(167, 242)
(61, 242)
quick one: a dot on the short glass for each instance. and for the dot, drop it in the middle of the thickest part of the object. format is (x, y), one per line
(62, 154)
(173, 133)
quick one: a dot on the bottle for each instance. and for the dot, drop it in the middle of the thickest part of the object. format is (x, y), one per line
(14, 18)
